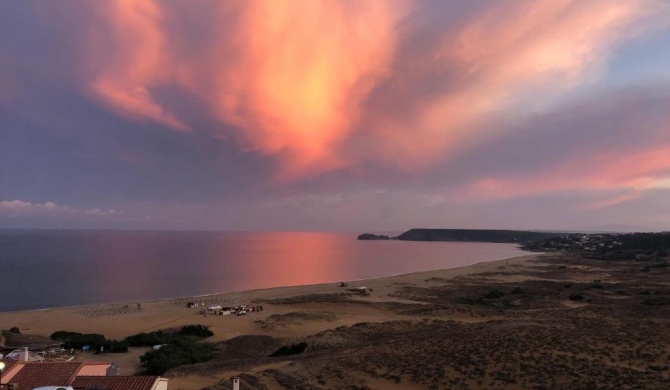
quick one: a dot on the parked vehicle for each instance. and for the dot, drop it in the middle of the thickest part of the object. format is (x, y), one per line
(53, 388)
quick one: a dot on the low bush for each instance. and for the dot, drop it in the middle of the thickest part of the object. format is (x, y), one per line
(78, 340)
(178, 348)
(177, 353)
(293, 349)
(199, 331)
(163, 337)
(493, 294)
(575, 297)
(113, 346)
(14, 329)
(94, 341)
(657, 301)
(479, 301)
(149, 339)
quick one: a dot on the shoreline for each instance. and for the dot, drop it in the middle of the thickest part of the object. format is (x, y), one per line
(78, 270)
(147, 301)
(471, 310)
(539, 310)
(289, 313)
(117, 321)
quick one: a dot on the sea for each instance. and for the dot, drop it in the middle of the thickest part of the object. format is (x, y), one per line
(42, 269)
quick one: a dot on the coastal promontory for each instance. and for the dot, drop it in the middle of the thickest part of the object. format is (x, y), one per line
(475, 235)
(370, 236)
(467, 235)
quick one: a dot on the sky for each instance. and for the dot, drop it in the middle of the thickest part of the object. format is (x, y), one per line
(342, 115)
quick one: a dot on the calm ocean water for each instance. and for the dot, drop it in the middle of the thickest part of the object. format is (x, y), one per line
(52, 268)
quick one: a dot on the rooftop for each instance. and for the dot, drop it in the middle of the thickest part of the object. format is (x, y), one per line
(34, 374)
(116, 382)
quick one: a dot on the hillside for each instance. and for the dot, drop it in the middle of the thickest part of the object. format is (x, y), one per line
(613, 246)
(476, 235)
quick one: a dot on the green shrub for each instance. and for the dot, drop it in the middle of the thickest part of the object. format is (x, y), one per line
(292, 349)
(96, 342)
(493, 294)
(575, 297)
(476, 301)
(62, 335)
(14, 329)
(113, 346)
(178, 348)
(518, 290)
(162, 337)
(78, 340)
(179, 352)
(657, 301)
(149, 339)
(200, 331)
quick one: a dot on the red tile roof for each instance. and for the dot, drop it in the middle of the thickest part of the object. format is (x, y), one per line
(9, 363)
(116, 382)
(34, 374)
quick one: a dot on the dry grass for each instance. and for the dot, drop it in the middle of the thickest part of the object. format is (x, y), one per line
(538, 322)
(532, 336)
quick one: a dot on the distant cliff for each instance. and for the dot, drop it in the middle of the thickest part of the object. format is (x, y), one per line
(476, 235)
(370, 236)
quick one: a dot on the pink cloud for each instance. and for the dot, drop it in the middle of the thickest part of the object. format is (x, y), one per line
(123, 78)
(290, 77)
(328, 85)
(614, 201)
(631, 169)
(300, 71)
(494, 64)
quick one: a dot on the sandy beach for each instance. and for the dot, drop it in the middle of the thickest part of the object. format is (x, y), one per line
(117, 321)
(120, 320)
(310, 312)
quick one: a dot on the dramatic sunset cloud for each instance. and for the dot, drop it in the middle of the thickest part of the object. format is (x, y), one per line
(287, 91)
(297, 95)
(292, 113)
(451, 91)
(126, 48)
